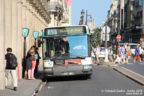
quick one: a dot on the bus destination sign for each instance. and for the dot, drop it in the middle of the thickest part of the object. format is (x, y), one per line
(65, 31)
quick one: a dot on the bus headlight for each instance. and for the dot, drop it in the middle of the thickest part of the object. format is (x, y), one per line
(86, 61)
(48, 64)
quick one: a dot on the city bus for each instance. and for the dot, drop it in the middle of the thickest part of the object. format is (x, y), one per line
(66, 51)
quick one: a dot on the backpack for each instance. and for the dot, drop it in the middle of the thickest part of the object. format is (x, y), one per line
(12, 61)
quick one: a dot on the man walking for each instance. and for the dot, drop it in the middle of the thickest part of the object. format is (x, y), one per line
(11, 64)
(122, 53)
(97, 53)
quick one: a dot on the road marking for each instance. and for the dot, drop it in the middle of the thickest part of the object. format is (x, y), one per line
(50, 87)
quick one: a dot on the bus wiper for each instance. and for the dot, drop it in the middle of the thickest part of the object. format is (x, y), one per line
(80, 57)
(77, 56)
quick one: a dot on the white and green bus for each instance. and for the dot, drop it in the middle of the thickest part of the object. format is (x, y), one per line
(66, 51)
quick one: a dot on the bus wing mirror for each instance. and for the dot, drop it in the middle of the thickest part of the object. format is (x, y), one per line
(40, 43)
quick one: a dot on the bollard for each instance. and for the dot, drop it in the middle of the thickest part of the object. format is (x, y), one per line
(18, 71)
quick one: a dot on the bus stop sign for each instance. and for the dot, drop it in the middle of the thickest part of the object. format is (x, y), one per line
(35, 34)
(25, 32)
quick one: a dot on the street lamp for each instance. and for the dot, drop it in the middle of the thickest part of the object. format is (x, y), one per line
(58, 14)
(87, 17)
(82, 18)
(82, 12)
(106, 49)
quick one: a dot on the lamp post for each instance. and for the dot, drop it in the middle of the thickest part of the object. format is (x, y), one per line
(35, 35)
(58, 14)
(87, 17)
(25, 32)
(106, 50)
(82, 14)
(82, 18)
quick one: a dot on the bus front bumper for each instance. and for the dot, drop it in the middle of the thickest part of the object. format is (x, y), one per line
(69, 70)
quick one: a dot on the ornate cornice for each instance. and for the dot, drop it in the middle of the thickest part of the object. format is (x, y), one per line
(40, 9)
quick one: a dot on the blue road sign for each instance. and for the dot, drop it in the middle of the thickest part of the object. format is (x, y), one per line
(35, 34)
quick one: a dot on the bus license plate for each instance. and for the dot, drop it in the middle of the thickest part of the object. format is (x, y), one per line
(49, 64)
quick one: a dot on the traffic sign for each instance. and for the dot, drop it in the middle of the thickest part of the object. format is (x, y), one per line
(118, 37)
(141, 39)
(35, 34)
(104, 29)
(25, 32)
(139, 27)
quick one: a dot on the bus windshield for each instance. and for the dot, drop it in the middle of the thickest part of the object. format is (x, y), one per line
(63, 47)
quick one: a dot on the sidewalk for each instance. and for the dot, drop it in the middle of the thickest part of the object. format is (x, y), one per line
(25, 88)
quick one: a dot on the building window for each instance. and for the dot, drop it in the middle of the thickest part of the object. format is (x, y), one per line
(140, 2)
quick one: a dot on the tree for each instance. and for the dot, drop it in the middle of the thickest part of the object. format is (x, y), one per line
(95, 40)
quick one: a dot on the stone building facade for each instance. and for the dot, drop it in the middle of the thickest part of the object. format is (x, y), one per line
(15, 15)
(129, 16)
(32, 14)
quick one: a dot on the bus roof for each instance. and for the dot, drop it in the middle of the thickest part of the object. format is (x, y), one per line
(66, 26)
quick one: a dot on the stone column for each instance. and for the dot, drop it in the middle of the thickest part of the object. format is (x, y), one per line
(19, 36)
(14, 27)
(2, 44)
(8, 23)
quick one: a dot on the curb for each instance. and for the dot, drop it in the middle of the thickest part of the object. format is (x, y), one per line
(111, 64)
(131, 74)
(36, 90)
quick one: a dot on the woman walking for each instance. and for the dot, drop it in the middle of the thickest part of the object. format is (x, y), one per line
(110, 53)
(97, 53)
(118, 55)
(128, 53)
(137, 54)
(30, 63)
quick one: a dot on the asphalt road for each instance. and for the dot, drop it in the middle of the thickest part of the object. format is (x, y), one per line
(104, 82)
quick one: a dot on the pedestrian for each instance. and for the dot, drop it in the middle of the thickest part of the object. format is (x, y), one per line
(37, 61)
(118, 58)
(114, 49)
(137, 54)
(11, 64)
(110, 53)
(141, 52)
(122, 54)
(128, 53)
(97, 53)
(93, 55)
(29, 58)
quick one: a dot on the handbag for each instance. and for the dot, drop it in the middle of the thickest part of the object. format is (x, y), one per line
(119, 55)
(128, 53)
